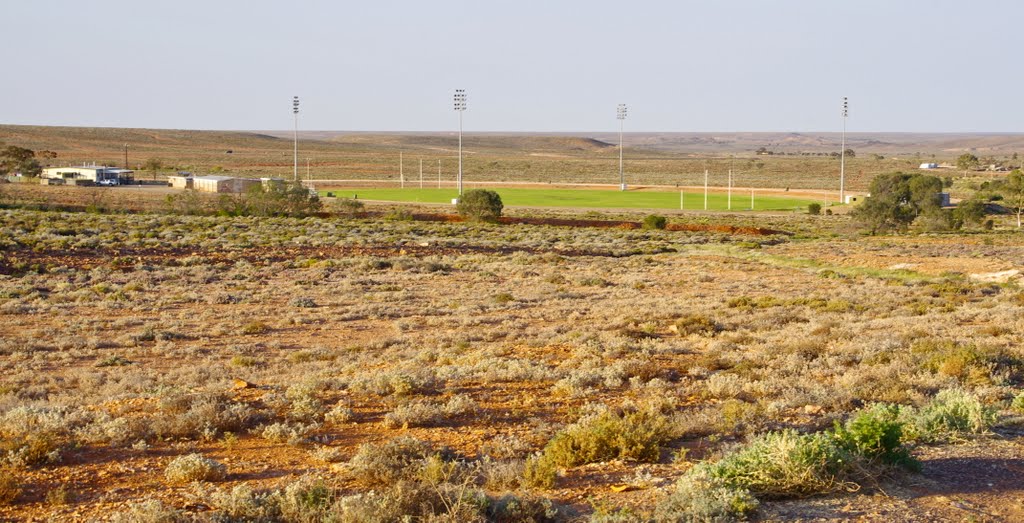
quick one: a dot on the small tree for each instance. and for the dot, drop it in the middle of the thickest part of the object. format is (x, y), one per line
(814, 208)
(966, 162)
(480, 205)
(899, 198)
(970, 212)
(153, 165)
(20, 160)
(1014, 193)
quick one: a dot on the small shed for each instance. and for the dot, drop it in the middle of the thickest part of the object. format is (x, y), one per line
(853, 198)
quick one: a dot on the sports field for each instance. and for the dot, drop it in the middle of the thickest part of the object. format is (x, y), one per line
(741, 201)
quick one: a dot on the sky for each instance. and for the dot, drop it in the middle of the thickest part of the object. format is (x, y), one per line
(542, 66)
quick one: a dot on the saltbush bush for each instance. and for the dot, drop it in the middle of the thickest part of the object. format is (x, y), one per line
(953, 413)
(194, 467)
(701, 498)
(785, 463)
(606, 435)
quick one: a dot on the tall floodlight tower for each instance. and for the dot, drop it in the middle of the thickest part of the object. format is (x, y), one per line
(295, 113)
(460, 107)
(842, 155)
(621, 115)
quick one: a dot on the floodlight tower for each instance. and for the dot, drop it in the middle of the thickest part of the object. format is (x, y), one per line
(460, 107)
(842, 155)
(295, 112)
(621, 115)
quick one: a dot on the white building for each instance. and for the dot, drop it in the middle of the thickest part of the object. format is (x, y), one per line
(87, 175)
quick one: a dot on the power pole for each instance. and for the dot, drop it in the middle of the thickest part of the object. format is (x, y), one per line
(729, 205)
(705, 189)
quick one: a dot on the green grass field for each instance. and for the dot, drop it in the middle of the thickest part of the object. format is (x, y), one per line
(586, 198)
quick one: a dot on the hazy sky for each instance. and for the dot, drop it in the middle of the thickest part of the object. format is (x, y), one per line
(753, 65)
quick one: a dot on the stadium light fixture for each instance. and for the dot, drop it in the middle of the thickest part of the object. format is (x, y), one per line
(295, 113)
(460, 107)
(621, 115)
(842, 154)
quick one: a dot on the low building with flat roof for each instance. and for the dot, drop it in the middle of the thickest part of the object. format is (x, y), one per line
(87, 175)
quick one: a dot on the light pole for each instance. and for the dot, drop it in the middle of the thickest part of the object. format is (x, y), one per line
(460, 107)
(621, 115)
(295, 112)
(842, 155)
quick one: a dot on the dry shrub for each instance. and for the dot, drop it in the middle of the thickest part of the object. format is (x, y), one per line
(9, 486)
(194, 467)
(606, 434)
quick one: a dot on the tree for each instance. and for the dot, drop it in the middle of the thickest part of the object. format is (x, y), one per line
(1014, 193)
(814, 208)
(966, 162)
(280, 199)
(480, 205)
(153, 165)
(897, 199)
(970, 212)
(14, 159)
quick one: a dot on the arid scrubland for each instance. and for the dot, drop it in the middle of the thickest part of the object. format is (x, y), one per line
(166, 368)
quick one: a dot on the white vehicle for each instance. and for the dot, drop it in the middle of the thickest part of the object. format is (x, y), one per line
(109, 182)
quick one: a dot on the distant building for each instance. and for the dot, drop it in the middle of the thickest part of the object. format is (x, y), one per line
(929, 166)
(853, 198)
(222, 184)
(180, 181)
(87, 175)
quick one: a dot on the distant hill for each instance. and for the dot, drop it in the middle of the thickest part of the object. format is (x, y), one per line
(739, 143)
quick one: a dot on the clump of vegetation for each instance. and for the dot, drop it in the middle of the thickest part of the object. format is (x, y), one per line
(607, 434)
(348, 206)
(654, 221)
(381, 464)
(698, 497)
(540, 471)
(814, 208)
(785, 463)
(194, 467)
(954, 413)
(151, 510)
(481, 205)
(9, 486)
(897, 199)
(877, 433)
(696, 324)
